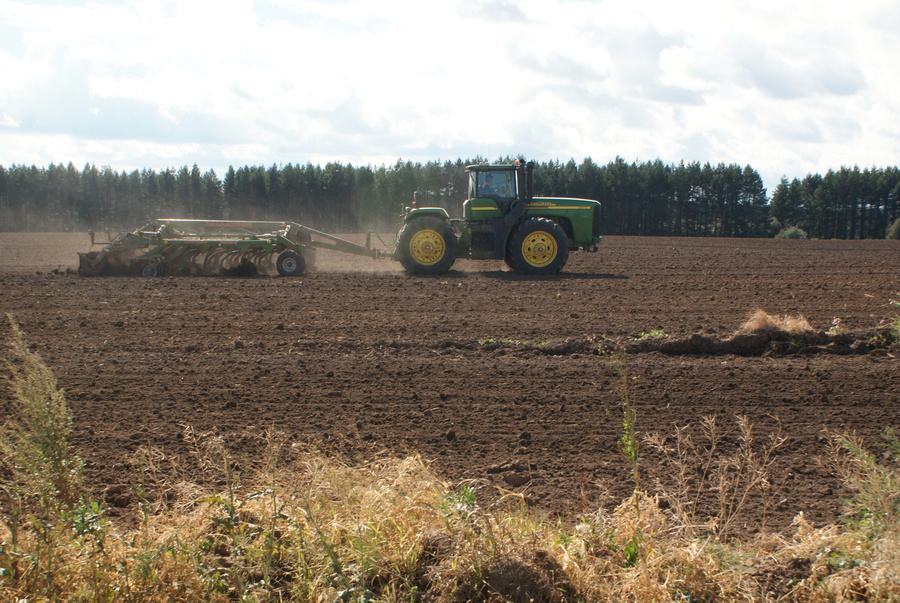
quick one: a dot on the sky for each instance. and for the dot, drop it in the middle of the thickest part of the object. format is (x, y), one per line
(790, 87)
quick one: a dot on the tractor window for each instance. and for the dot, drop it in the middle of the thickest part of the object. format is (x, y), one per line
(493, 184)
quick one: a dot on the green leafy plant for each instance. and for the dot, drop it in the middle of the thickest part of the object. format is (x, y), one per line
(460, 504)
(654, 334)
(876, 501)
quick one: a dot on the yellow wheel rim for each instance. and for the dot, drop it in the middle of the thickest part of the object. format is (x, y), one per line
(427, 247)
(539, 249)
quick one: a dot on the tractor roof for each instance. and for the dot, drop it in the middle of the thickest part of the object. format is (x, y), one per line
(487, 167)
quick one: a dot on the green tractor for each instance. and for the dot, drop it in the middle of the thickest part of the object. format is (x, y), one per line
(502, 220)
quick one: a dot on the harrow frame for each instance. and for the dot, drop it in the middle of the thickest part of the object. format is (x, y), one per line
(211, 246)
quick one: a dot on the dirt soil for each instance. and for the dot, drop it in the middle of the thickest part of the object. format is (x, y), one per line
(503, 382)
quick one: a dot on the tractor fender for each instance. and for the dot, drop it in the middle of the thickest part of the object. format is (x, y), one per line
(419, 212)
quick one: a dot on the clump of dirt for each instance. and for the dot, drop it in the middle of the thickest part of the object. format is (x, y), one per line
(244, 269)
(771, 342)
(530, 577)
(779, 578)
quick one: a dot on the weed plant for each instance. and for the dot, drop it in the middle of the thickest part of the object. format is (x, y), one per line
(34, 445)
(300, 525)
(892, 322)
(702, 469)
(653, 334)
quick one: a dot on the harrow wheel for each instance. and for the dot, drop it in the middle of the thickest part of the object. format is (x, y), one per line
(153, 269)
(290, 263)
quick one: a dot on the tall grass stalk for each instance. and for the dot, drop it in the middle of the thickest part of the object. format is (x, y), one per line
(34, 445)
(698, 467)
(635, 548)
(40, 475)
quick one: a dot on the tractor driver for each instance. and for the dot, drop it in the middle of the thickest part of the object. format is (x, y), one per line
(487, 189)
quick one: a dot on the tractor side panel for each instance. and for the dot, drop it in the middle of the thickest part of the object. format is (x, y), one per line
(576, 215)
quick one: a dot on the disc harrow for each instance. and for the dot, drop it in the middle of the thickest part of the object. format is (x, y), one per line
(214, 247)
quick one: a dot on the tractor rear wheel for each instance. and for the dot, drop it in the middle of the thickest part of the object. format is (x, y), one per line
(427, 245)
(538, 247)
(290, 263)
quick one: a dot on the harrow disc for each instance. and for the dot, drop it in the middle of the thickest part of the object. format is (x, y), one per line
(212, 262)
(231, 259)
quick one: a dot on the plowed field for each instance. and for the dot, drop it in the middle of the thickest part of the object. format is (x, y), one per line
(495, 378)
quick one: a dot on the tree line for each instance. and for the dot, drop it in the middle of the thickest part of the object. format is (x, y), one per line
(846, 204)
(646, 198)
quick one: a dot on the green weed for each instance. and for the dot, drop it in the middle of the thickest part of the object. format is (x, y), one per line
(503, 340)
(35, 443)
(892, 322)
(875, 506)
(654, 334)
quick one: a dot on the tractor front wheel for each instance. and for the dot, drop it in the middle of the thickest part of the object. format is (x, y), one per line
(538, 247)
(427, 245)
(290, 263)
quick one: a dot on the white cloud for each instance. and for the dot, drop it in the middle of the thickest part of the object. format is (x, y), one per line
(8, 122)
(788, 88)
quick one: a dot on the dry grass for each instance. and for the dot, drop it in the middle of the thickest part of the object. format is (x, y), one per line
(760, 321)
(306, 526)
(319, 529)
(700, 466)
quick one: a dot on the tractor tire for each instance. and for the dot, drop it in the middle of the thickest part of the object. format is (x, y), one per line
(538, 247)
(427, 245)
(290, 263)
(85, 268)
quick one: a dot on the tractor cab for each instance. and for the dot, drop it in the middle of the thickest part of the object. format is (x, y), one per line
(495, 189)
(492, 183)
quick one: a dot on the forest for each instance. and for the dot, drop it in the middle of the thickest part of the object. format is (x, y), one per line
(638, 198)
